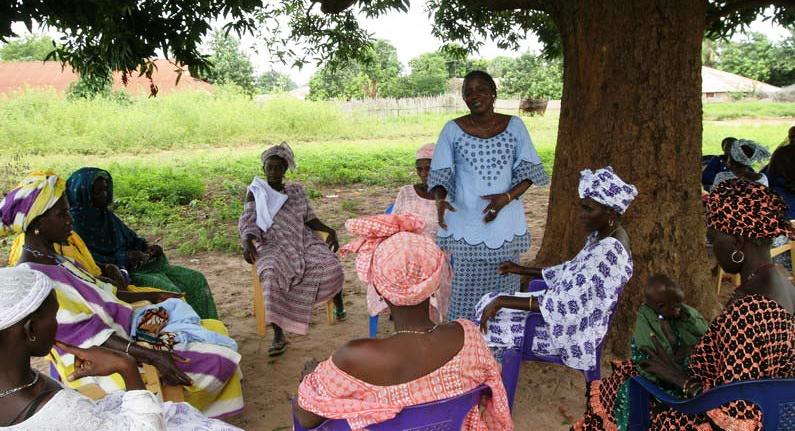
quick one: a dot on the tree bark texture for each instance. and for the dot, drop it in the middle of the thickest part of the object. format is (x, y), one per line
(632, 100)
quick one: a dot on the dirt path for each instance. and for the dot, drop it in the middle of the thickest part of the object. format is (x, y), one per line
(549, 397)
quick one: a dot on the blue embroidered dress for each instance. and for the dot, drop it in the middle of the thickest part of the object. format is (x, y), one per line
(469, 167)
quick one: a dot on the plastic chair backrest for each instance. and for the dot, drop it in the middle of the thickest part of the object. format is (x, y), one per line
(443, 415)
(512, 359)
(774, 397)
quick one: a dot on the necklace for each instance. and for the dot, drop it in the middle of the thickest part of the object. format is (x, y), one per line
(411, 331)
(12, 391)
(39, 254)
(485, 128)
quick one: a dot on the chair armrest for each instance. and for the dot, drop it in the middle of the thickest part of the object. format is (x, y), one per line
(759, 392)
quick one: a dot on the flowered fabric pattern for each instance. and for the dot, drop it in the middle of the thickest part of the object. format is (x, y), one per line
(605, 187)
(742, 208)
(754, 338)
(297, 270)
(469, 167)
(579, 300)
(331, 393)
(409, 202)
(34, 195)
(608, 402)
(403, 265)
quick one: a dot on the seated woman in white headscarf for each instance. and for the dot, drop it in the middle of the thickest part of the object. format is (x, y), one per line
(33, 401)
(297, 270)
(743, 154)
(416, 199)
(580, 294)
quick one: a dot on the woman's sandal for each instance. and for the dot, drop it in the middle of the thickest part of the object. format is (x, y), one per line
(277, 348)
(340, 315)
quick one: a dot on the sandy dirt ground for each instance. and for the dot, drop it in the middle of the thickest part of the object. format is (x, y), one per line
(548, 398)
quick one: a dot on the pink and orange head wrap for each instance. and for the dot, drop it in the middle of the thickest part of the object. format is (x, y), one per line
(404, 265)
(747, 209)
(425, 152)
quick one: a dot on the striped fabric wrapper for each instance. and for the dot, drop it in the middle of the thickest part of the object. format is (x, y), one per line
(89, 313)
(34, 195)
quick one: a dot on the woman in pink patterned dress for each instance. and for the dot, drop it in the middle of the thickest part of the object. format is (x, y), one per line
(415, 199)
(369, 381)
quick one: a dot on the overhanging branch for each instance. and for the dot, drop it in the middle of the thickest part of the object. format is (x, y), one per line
(502, 5)
(746, 4)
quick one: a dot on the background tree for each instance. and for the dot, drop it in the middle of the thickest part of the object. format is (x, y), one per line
(499, 66)
(28, 48)
(533, 77)
(631, 99)
(358, 78)
(751, 57)
(275, 82)
(125, 35)
(756, 57)
(228, 64)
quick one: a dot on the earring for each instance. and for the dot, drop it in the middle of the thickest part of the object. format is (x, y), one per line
(736, 259)
(35, 231)
(32, 338)
(611, 222)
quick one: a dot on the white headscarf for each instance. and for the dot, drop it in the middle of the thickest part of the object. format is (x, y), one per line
(22, 291)
(605, 187)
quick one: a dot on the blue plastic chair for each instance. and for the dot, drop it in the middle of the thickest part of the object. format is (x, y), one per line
(444, 415)
(512, 359)
(774, 397)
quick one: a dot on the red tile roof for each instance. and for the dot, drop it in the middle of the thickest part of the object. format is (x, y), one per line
(19, 75)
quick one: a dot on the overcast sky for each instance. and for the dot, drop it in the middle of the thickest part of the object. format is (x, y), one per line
(410, 33)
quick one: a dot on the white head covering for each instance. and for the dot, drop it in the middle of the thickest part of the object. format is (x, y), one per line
(22, 291)
(758, 152)
(605, 187)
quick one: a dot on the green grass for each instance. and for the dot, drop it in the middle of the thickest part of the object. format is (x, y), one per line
(181, 163)
(750, 109)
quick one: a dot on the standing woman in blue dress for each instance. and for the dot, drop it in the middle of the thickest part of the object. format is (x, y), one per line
(482, 165)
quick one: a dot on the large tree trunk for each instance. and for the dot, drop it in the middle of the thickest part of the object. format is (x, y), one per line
(632, 99)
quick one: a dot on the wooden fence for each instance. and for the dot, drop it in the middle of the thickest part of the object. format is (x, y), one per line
(419, 105)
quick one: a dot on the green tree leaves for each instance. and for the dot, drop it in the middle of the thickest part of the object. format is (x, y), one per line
(28, 48)
(228, 65)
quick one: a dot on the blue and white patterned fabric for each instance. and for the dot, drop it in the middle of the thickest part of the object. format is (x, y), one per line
(605, 187)
(581, 295)
(469, 167)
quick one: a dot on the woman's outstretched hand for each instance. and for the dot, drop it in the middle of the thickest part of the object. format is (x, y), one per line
(489, 313)
(443, 206)
(166, 364)
(496, 204)
(510, 268)
(99, 361)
